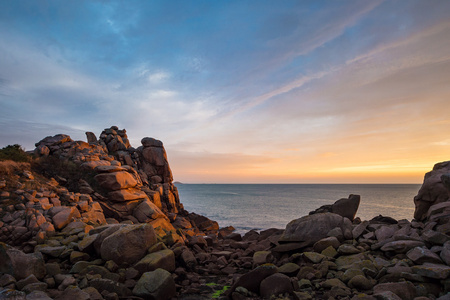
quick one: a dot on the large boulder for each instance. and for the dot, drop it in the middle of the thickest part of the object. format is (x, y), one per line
(312, 228)
(147, 211)
(63, 215)
(128, 244)
(155, 285)
(433, 190)
(252, 280)
(126, 195)
(54, 140)
(346, 207)
(19, 264)
(163, 259)
(276, 284)
(116, 180)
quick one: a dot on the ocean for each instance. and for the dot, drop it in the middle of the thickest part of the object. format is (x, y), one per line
(263, 206)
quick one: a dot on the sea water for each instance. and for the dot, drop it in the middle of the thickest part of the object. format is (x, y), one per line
(263, 206)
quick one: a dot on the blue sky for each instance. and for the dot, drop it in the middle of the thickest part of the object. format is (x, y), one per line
(238, 91)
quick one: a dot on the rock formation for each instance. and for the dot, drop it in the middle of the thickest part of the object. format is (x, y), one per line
(435, 189)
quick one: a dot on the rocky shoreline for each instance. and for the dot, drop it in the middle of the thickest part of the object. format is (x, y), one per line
(103, 220)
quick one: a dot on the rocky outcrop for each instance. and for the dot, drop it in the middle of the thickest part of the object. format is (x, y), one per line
(126, 179)
(435, 189)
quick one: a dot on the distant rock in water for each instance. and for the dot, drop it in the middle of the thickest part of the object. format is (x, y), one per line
(345, 207)
(435, 189)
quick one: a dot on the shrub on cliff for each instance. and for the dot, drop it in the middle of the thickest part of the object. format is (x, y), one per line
(9, 167)
(63, 169)
(15, 153)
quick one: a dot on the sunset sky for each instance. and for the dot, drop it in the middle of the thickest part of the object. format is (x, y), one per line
(238, 91)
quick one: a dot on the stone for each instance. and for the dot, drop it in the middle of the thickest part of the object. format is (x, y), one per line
(385, 232)
(324, 243)
(52, 269)
(405, 290)
(436, 271)
(65, 216)
(112, 286)
(73, 293)
(275, 284)
(262, 257)
(42, 150)
(252, 280)
(329, 252)
(36, 286)
(163, 259)
(76, 256)
(387, 295)
(116, 180)
(19, 264)
(38, 295)
(91, 165)
(151, 142)
(360, 282)
(93, 293)
(54, 140)
(333, 283)
(432, 192)
(9, 294)
(22, 283)
(420, 255)
(7, 279)
(188, 259)
(350, 273)
(312, 228)
(359, 229)
(127, 195)
(87, 243)
(289, 269)
(313, 257)
(91, 138)
(401, 246)
(435, 237)
(147, 210)
(155, 156)
(128, 244)
(445, 253)
(308, 272)
(346, 249)
(52, 251)
(347, 207)
(348, 260)
(157, 285)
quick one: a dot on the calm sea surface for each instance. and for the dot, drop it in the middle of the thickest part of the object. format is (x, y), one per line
(262, 206)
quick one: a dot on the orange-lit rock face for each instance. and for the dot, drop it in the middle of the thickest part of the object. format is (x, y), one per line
(116, 180)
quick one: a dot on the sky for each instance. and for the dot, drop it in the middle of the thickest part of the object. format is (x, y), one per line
(238, 91)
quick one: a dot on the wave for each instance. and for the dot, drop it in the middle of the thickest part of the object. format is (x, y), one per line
(228, 193)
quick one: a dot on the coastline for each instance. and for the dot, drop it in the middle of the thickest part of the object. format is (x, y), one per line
(90, 221)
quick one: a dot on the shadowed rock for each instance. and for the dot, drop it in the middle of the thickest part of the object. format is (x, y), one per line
(433, 190)
(312, 228)
(346, 207)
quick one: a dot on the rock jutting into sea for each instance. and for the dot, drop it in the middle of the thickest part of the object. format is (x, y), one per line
(103, 220)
